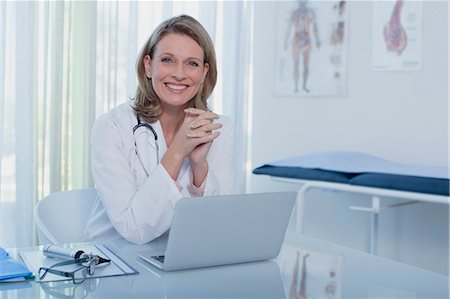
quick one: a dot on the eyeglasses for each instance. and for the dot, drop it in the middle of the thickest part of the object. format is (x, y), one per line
(78, 275)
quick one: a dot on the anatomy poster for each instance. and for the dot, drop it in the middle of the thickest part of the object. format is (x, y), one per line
(397, 35)
(311, 39)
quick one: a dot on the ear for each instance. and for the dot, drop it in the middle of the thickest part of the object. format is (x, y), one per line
(147, 66)
(205, 71)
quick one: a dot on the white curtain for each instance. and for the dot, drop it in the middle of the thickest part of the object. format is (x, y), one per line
(64, 63)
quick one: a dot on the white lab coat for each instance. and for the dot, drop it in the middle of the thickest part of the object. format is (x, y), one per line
(132, 205)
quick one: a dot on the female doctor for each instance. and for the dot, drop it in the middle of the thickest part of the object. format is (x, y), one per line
(165, 144)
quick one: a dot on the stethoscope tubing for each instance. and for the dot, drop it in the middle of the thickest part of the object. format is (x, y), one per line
(136, 148)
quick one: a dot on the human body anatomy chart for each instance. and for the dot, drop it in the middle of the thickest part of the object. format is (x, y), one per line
(397, 35)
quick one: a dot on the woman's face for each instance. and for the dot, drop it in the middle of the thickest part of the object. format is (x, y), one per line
(177, 69)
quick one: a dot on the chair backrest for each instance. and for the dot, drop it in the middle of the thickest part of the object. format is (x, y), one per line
(61, 217)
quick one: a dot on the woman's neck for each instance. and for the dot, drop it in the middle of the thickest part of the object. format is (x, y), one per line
(171, 121)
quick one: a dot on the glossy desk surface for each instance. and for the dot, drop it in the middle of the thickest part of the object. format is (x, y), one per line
(306, 268)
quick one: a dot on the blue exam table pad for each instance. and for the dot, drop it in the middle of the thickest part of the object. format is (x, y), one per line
(361, 170)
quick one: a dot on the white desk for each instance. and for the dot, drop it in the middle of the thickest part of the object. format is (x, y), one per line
(361, 276)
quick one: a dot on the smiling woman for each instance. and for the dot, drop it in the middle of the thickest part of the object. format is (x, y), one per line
(177, 68)
(137, 193)
(188, 40)
(64, 63)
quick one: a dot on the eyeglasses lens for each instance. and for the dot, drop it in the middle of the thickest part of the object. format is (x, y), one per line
(80, 275)
(91, 267)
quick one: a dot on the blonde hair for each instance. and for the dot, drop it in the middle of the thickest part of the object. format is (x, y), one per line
(147, 103)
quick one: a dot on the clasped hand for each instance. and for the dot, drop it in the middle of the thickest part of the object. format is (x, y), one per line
(196, 134)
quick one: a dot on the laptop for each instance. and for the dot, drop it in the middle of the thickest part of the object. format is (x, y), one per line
(228, 229)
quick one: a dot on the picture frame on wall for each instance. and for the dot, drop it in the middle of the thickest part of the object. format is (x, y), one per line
(397, 35)
(311, 47)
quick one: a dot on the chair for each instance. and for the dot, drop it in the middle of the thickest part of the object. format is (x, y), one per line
(61, 217)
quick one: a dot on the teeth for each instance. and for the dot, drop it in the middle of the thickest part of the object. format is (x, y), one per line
(177, 87)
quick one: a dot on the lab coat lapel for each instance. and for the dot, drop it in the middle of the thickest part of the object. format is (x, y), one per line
(161, 139)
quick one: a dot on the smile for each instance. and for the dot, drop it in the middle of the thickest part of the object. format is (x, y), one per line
(176, 87)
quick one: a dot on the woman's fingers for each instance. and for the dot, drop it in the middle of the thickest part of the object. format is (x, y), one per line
(194, 111)
(198, 112)
(198, 129)
(199, 123)
(203, 130)
(207, 138)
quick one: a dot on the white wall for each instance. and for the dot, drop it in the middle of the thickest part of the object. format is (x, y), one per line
(400, 116)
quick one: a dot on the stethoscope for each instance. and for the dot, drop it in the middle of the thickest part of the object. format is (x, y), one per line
(136, 149)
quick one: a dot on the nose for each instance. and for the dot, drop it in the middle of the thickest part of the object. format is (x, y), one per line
(179, 72)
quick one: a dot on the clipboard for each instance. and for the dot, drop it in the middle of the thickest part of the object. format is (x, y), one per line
(34, 259)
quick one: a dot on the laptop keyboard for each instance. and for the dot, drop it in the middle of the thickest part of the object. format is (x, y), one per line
(159, 258)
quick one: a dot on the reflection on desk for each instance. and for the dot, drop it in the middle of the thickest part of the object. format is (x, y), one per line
(251, 280)
(68, 290)
(308, 271)
(369, 276)
(324, 269)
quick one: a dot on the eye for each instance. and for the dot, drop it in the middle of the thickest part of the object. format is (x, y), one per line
(193, 63)
(166, 59)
